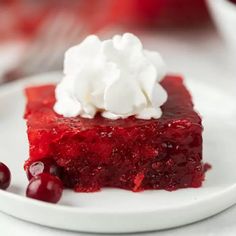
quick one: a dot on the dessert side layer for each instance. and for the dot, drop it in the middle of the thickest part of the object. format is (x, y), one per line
(133, 154)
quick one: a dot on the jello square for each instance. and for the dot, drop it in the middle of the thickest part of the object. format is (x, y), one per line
(133, 154)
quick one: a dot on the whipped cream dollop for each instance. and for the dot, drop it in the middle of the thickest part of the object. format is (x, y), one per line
(116, 77)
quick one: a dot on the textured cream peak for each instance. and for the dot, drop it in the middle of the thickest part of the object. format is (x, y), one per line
(116, 77)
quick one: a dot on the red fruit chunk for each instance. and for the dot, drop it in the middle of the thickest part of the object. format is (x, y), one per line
(5, 176)
(130, 153)
(207, 167)
(44, 166)
(45, 187)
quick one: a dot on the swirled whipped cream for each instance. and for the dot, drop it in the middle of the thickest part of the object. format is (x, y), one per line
(116, 77)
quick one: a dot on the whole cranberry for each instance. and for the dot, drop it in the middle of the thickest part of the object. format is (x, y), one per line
(44, 166)
(5, 176)
(233, 1)
(45, 187)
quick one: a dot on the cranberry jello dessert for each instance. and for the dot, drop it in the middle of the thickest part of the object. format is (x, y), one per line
(116, 120)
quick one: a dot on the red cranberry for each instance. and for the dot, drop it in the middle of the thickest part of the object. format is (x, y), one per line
(44, 166)
(233, 1)
(5, 176)
(45, 187)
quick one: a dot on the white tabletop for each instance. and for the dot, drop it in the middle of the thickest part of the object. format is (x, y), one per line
(223, 224)
(198, 54)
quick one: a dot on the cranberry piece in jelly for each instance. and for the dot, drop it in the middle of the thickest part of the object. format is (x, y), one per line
(45, 187)
(5, 176)
(44, 166)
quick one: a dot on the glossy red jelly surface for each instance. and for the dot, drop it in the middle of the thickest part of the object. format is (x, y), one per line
(131, 153)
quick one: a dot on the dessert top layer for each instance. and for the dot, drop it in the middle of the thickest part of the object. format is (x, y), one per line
(117, 78)
(177, 111)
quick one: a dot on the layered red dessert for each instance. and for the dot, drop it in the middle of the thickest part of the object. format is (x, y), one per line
(133, 154)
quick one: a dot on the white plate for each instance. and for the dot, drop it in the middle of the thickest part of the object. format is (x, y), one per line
(114, 210)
